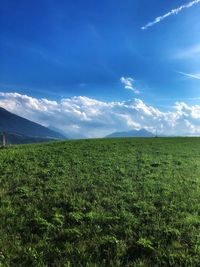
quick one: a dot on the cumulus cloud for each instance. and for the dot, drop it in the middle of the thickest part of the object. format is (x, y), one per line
(128, 84)
(170, 13)
(93, 118)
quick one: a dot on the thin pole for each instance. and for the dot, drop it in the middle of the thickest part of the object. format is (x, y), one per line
(4, 139)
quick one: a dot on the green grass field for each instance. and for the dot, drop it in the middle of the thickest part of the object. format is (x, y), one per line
(103, 202)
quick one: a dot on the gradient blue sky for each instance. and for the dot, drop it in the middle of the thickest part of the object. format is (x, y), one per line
(57, 49)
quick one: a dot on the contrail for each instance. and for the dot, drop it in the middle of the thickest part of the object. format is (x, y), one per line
(172, 12)
(190, 75)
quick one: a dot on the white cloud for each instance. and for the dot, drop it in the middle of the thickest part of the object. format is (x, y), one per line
(170, 13)
(128, 84)
(93, 118)
(194, 76)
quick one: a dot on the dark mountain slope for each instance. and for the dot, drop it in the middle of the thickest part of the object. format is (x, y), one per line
(12, 123)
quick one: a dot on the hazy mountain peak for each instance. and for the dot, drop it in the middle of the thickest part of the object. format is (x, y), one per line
(132, 133)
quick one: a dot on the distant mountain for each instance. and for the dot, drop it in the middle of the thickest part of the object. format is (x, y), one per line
(77, 136)
(59, 131)
(68, 136)
(17, 126)
(132, 133)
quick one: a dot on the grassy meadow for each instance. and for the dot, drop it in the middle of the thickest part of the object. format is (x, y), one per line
(104, 202)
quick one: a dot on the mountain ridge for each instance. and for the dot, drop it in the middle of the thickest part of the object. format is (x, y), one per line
(16, 125)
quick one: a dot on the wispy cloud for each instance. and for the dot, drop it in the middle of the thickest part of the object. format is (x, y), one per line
(192, 52)
(128, 84)
(194, 76)
(170, 13)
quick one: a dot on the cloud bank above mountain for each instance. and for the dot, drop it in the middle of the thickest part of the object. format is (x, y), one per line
(94, 118)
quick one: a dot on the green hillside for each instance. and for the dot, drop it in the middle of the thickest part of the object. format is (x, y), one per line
(104, 202)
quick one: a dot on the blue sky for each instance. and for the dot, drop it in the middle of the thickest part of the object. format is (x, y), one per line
(58, 49)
